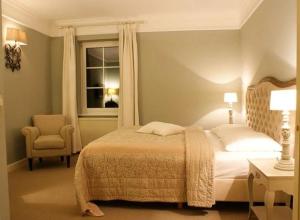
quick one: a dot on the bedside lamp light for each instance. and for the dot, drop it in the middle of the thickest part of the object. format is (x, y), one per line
(230, 98)
(111, 92)
(14, 39)
(284, 101)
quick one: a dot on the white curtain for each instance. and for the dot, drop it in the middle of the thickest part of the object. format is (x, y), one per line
(128, 92)
(69, 86)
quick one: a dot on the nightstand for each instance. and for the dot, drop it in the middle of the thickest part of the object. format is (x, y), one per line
(262, 172)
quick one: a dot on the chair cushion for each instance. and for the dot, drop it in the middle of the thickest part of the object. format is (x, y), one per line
(49, 142)
(49, 124)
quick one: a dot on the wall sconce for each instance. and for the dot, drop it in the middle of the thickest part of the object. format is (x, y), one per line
(14, 39)
(230, 98)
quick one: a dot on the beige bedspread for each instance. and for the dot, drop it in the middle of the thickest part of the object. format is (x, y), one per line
(131, 166)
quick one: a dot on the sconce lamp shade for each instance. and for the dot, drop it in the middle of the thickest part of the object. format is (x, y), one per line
(230, 97)
(283, 100)
(14, 35)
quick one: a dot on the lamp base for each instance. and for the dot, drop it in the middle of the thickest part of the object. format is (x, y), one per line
(287, 165)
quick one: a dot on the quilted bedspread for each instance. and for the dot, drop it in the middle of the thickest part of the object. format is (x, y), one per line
(127, 165)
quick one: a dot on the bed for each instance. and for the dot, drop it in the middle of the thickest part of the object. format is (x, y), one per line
(125, 165)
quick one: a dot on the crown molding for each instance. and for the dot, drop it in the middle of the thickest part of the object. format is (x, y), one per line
(21, 15)
(248, 10)
(92, 26)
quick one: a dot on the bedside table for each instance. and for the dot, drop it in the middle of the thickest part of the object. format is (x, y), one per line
(262, 172)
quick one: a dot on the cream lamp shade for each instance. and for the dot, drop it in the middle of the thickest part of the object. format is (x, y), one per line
(283, 100)
(14, 35)
(111, 91)
(230, 97)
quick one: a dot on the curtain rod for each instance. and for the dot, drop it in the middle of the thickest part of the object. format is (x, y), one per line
(108, 23)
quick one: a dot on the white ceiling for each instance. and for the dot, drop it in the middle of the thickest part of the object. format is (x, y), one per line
(157, 14)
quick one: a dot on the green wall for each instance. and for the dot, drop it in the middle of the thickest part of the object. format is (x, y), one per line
(56, 61)
(27, 92)
(4, 201)
(177, 70)
(183, 76)
(269, 40)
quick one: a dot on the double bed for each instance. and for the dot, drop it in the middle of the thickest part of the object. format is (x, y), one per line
(191, 167)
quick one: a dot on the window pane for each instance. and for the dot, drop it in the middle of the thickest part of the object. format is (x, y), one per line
(94, 78)
(111, 56)
(94, 57)
(112, 77)
(95, 98)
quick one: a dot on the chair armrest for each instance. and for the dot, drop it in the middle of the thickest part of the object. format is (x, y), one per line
(31, 134)
(66, 133)
(66, 130)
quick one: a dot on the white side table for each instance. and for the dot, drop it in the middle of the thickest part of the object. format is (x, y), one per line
(262, 172)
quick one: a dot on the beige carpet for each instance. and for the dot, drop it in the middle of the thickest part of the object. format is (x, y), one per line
(47, 193)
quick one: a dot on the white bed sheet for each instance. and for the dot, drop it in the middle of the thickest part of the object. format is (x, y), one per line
(233, 165)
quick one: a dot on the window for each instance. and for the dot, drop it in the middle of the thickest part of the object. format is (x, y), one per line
(100, 78)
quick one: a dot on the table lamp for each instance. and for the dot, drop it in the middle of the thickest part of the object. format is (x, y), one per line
(111, 92)
(284, 101)
(230, 98)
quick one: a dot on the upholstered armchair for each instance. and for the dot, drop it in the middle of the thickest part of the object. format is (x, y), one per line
(50, 136)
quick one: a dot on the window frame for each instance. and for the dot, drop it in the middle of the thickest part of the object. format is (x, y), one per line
(84, 109)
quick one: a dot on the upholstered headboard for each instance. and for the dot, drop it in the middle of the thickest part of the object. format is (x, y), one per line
(259, 116)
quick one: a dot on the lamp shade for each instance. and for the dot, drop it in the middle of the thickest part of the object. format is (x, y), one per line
(16, 35)
(230, 97)
(111, 91)
(283, 100)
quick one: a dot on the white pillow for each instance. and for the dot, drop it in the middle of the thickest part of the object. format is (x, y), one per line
(244, 139)
(219, 130)
(161, 128)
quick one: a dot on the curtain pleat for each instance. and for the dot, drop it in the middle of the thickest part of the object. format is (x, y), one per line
(128, 93)
(69, 87)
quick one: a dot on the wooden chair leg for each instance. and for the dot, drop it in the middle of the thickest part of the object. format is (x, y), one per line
(68, 161)
(30, 161)
(62, 158)
(180, 205)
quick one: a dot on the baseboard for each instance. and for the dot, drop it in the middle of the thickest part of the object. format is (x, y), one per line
(16, 165)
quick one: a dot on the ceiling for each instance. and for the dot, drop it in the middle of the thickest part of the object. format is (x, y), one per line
(156, 14)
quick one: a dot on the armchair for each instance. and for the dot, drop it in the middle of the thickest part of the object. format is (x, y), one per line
(49, 136)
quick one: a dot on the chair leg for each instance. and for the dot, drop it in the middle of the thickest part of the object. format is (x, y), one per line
(180, 205)
(40, 159)
(68, 161)
(62, 158)
(30, 163)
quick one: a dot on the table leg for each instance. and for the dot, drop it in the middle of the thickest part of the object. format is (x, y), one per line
(250, 193)
(269, 203)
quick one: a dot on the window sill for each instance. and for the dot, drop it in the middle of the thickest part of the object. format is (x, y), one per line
(96, 116)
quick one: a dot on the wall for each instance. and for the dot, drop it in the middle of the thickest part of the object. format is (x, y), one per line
(92, 128)
(183, 76)
(56, 61)
(176, 71)
(28, 91)
(269, 42)
(4, 201)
